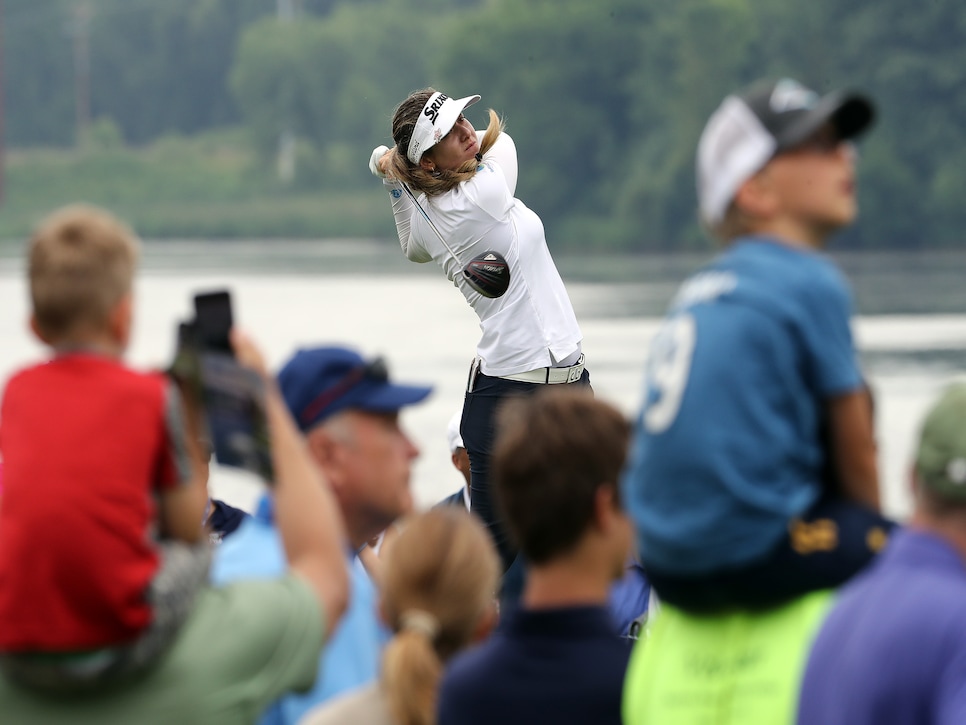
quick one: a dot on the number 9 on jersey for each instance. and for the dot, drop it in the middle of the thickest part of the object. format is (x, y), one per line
(668, 367)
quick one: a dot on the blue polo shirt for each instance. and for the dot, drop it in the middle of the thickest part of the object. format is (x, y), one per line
(351, 656)
(629, 599)
(556, 666)
(893, 649)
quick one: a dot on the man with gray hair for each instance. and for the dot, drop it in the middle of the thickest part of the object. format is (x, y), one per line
(893, 649)
(347, 409)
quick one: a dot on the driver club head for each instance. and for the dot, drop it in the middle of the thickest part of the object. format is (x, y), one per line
(488, 274)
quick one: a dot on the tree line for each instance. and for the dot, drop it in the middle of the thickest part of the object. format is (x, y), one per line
(605, 99)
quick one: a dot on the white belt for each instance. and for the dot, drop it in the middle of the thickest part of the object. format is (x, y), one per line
(550, 376)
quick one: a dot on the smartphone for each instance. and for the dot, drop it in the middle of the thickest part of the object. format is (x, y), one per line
(233, 397)
(213, 320)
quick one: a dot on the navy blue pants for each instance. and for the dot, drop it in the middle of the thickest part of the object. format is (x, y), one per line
(478, 431)
(822, 549)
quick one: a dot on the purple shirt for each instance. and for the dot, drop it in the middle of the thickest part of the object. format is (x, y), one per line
(893, 649)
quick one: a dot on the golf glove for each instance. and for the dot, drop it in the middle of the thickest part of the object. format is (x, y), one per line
(377, 153)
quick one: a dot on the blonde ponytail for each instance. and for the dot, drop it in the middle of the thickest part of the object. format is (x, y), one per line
(411, 670)
(493, 131)
(440, 578)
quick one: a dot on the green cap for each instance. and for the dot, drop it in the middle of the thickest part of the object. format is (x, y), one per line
(941, 460)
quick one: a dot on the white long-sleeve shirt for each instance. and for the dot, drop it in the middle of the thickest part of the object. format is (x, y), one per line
(531, 326)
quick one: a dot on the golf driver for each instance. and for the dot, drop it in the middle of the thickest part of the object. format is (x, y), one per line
(487, 273)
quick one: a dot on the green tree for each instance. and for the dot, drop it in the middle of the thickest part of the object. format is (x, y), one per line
(691, 55)
(38, 73)
(914, 165)
(334, 81)
(605, 98)
(558, 71)
(161, 68)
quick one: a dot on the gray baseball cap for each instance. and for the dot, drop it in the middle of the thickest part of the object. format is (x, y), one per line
(767, 117)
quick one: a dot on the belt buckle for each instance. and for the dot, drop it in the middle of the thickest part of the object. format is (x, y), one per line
(576, 372)
(474, 371)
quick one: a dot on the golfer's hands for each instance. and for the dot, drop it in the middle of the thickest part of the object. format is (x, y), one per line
(377, 161)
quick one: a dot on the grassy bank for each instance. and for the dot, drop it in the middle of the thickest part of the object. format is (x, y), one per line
(210, 186)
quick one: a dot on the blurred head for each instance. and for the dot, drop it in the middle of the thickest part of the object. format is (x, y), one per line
(436, 147)
(556, 464)
(441, 575)
(778, 147)
(940, 465)
(81, 265)
(349, 411)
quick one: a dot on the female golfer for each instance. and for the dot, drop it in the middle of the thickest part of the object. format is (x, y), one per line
(452, 192)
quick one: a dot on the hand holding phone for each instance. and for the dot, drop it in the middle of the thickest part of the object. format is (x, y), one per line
(248, 354)
(232, 390)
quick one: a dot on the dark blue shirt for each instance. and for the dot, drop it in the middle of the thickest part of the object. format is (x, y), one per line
(455, 499)
(893, 649)
(541, 666)
(224, 519)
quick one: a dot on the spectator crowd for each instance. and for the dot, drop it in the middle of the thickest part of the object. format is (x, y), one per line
(721, 558)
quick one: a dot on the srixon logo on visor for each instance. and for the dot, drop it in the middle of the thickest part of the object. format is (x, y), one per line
(433, 110)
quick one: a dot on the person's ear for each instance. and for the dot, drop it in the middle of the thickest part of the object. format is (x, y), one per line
(913, 482)
(427, 164)
(755, 197)
(381, 613)
(605, 507)
(486, 623)
(323, 447)
(121, 320)
(37, 331)
(326, 453)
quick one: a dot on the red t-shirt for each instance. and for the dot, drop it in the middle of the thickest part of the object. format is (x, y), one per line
(85, 443)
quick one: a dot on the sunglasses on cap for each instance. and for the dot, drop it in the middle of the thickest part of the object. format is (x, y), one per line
(375, 370)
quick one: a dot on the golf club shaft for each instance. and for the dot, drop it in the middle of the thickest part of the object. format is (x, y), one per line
(426, 217)
(491, 280)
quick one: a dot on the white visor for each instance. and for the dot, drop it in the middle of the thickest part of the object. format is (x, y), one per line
(435, 121)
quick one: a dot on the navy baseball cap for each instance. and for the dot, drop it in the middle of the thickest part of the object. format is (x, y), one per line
(319, 382)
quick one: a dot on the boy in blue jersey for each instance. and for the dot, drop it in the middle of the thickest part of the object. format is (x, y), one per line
(753, 391)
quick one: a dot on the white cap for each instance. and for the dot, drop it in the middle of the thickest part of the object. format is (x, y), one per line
(435, 121)
(453, 436)
(733, 147)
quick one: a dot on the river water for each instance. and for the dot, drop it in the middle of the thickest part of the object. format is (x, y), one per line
(910, 328)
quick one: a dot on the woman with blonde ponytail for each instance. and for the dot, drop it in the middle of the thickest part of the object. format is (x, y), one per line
(439, 580)
(453, 195)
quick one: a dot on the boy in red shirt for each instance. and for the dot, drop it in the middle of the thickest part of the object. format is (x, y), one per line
(100, 463)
